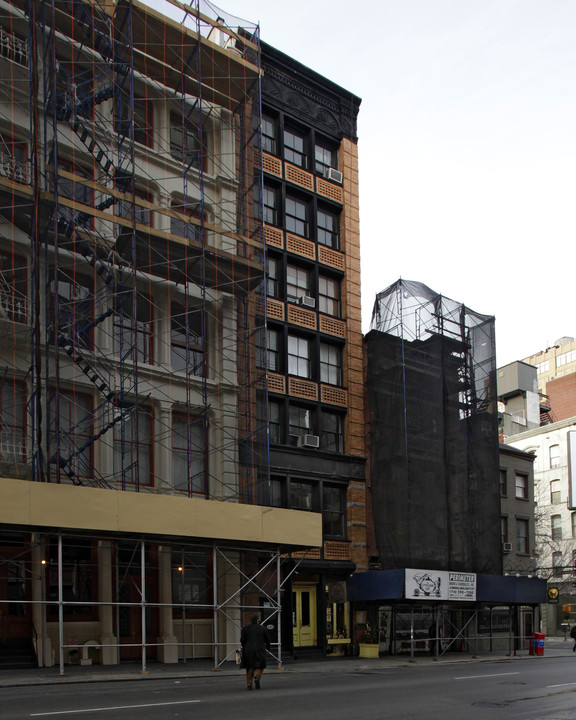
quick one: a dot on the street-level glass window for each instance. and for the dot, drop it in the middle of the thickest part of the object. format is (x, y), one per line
(554, 456)
(189, 578)
(297, 283)
(327, 228)
(300, 422)
(299, 361)
(521, 486)
(332, 432)
(297, 216)
(333, 506)
(295, 148)
(556, 527)
(522, 536)
(555, 492)
(328, 296)
(188, 456)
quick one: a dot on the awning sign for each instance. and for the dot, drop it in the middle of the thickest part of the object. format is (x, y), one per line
(440, 585)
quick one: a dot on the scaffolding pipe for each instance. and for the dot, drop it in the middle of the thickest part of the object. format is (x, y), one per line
(215, 584)
(143, 602)
(60, 606)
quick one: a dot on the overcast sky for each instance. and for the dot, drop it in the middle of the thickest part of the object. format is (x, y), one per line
(467, 147)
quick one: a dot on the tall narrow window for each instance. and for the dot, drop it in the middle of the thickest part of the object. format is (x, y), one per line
(273, 354)
(295, 148)
(143, 127)
(556, 527)
(330, 364)
(12, 421)
(14, 160)
(522, 545)
(300, 420)
(136, 208)
(504, 528)
(297, 216)
(333, 505)
(185, 143)
(503, 482)
(302, 496)
(557, 564)
(187, 340)
(188, 456)
(554, 456)
(328, 296)
(272, 277)
(72, 309)
(521, 485)
(133, 327)
(71, 427)
(269, 143)
(133, 449)
(327, 228)
(299, 361)
(555, 492)
(188, 222)
(270, 203)
(332, 433)
(325, 157)
(573, 524)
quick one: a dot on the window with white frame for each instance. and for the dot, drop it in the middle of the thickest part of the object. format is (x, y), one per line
(557, 564)
(556, 527)
(566, 358)
(573, 523)
(522, 545)
(555, 492)
(187, 353)
(299, 356)
(554, 453)
(521, 485)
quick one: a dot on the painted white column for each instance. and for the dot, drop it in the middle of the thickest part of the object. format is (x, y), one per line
(109, 655)
(168, 649)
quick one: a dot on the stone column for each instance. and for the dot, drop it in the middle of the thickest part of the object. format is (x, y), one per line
(43, 641)
(109, 655)
(168, 649)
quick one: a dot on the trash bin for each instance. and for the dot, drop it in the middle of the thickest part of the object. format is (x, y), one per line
(531, 645)
(539, 643)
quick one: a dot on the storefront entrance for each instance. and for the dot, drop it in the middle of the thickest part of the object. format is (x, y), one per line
(15, 618)
(304, 615)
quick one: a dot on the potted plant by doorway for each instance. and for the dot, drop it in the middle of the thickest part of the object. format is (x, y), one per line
(369, 647)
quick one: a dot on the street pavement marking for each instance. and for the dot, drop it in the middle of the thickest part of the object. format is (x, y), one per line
(116, 707)
(479, 677)
(562, 684)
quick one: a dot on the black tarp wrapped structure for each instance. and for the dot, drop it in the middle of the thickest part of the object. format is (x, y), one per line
(431, 384)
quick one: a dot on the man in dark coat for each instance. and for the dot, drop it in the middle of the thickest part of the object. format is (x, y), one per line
(255, 641)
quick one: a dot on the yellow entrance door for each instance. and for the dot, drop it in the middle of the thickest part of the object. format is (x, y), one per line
(304, 615)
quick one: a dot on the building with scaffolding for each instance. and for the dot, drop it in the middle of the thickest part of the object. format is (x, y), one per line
(434, 478)
(135, 496)
(313, 351)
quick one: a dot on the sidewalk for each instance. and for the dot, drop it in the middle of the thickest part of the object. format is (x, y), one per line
(555, 647)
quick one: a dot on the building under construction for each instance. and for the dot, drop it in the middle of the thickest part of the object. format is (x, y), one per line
(134, 464)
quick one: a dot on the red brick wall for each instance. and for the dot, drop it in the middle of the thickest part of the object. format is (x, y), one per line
(562, 394)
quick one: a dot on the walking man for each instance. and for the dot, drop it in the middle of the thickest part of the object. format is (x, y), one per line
(255, 641)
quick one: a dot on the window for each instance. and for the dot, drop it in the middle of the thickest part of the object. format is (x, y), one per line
(329, 296)
(504, 528)
(573, 523)
(72, 309)
(555, 492)
(566, 358)
(187, 341)
(277, 492)
(269, 143)
(503, 482)
(332, 434)
(13, 48)
(300, 422)
(333, 505)
(72, 188)
(543, 367)
(72, 433)
(273, 352)
(188, 471)
(133, 210)
(554, 453)
(324, 157)
(189, 578)
(79, 577)
(521, 486)
(330, 364)
(557, 564)
(185, 144)
(297, 283)
(327, 228)
(272, 277)
(270, 205)
(299, 361)
(133, 327)
(275, 422)
(12, 421)
(190, 225)
(13, 288)
(296, 216)
(133, 449)
(142, 120)
(14, 163)
(302, 496)
(295, 148)
(556, 527)
(522, 536)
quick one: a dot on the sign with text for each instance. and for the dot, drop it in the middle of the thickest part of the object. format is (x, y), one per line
(439, 585)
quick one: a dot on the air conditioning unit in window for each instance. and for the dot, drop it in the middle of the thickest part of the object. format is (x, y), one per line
(334, 175)
(309, 441)
(307, 301)
(506, 548)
